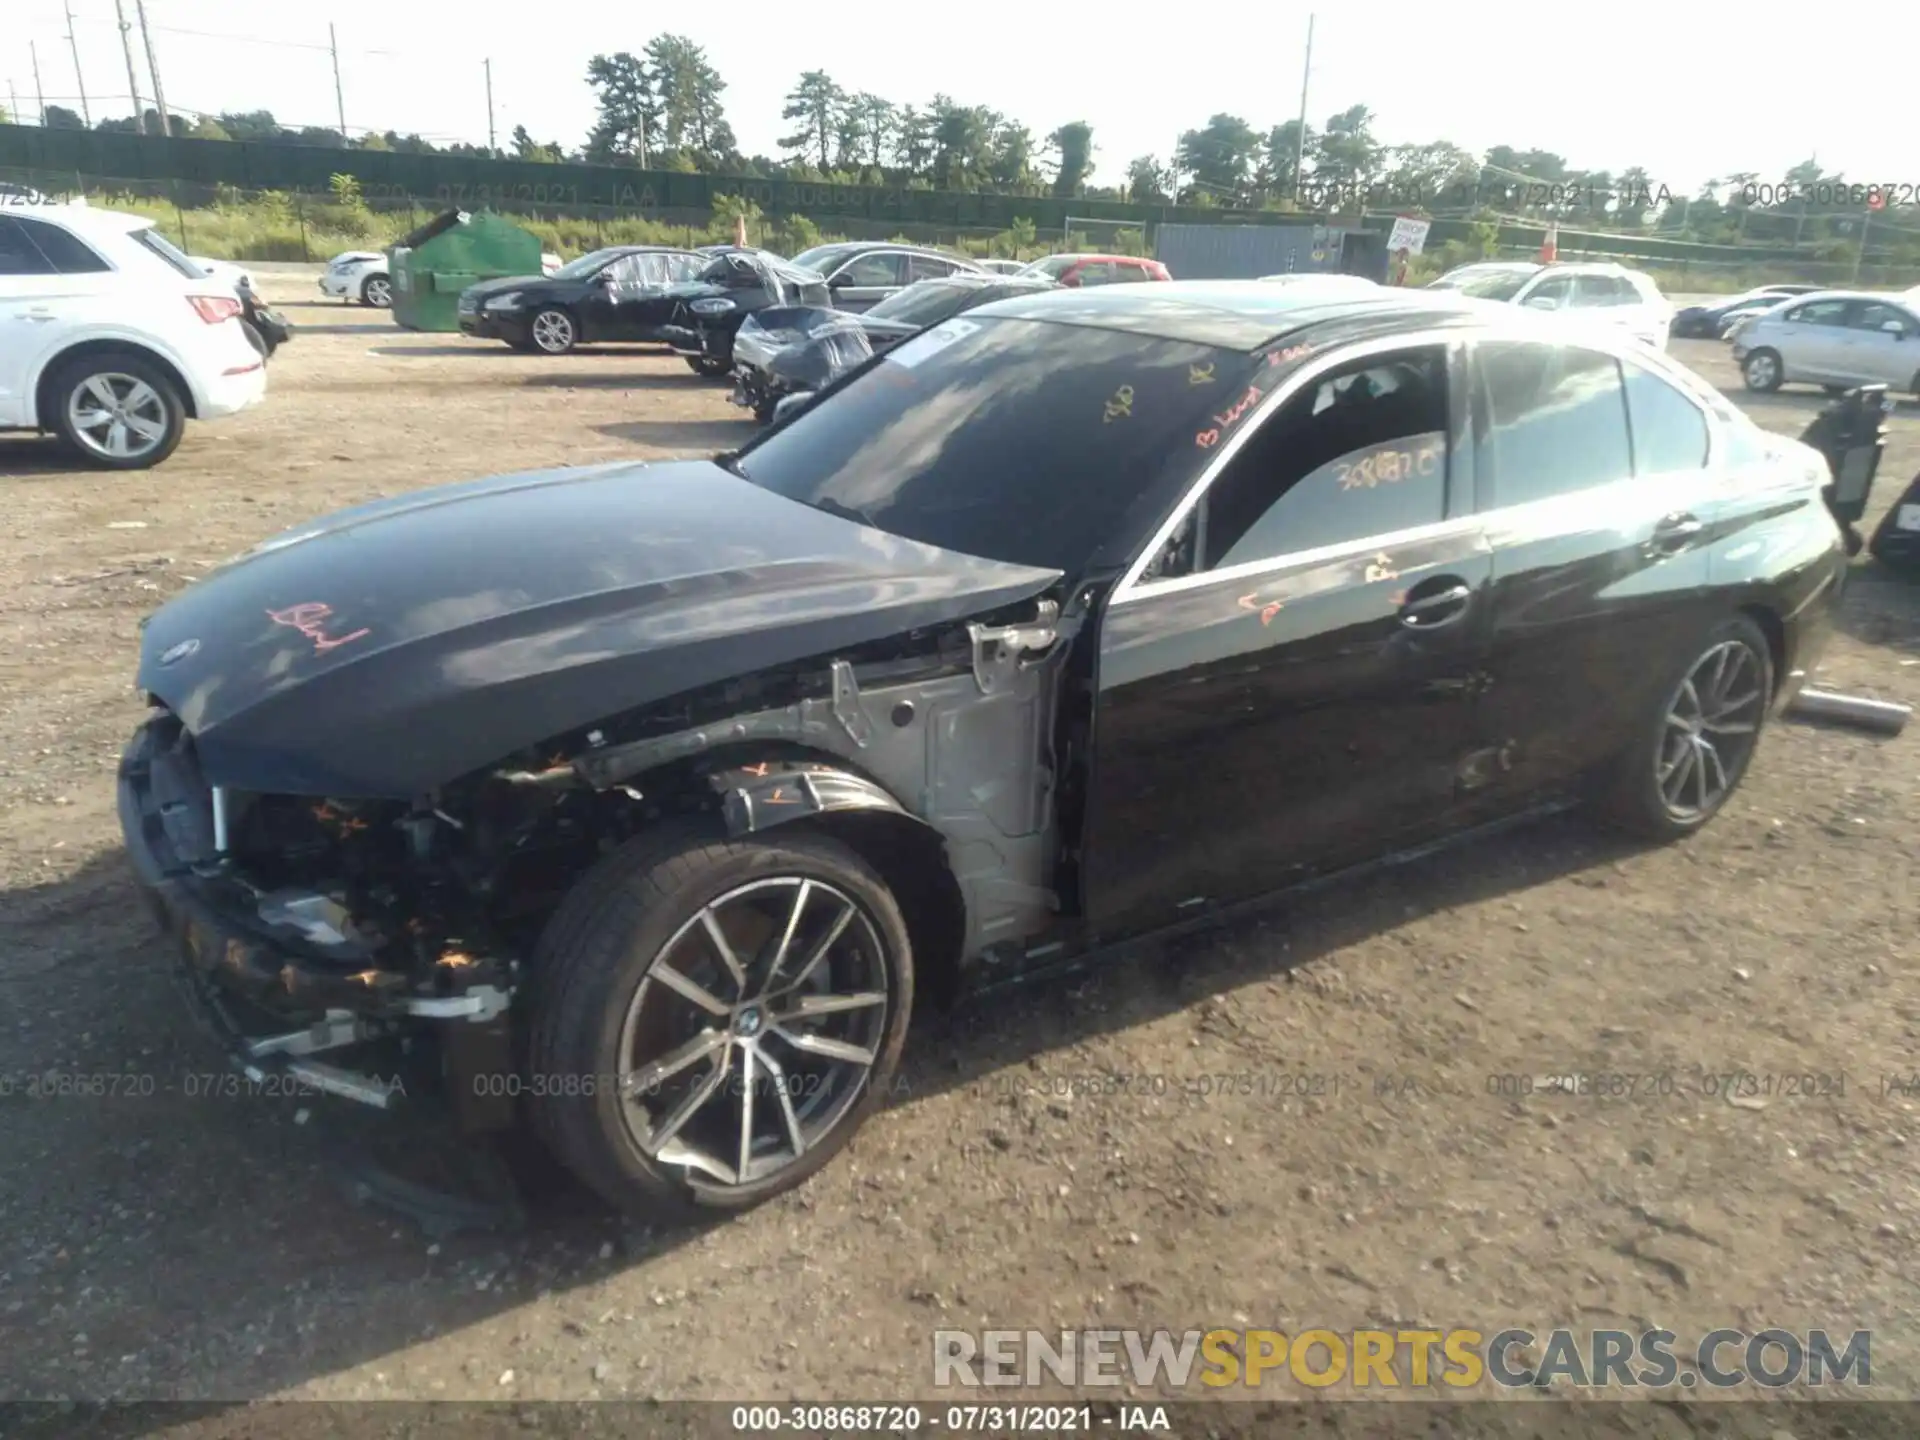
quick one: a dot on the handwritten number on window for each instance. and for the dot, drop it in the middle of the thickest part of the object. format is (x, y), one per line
(1120, 407)
(1388, 467)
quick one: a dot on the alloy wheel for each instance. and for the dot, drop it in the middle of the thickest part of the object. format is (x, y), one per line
(118, 416)
(1762, 371)
(1712, 724)
(754, 1031)
(552, 331)
(379, 292)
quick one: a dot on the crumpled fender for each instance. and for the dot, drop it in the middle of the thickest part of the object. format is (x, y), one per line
(773, 792)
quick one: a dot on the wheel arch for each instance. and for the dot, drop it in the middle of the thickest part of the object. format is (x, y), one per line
(1775, 630)
(103, 345)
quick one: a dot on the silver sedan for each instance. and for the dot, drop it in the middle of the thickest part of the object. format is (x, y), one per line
(1833, 338)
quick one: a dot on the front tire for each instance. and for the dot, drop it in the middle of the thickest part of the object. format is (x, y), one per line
(707, 366)
(713, 1019)
(377, 291)
(117, 411)
(553, 332)
(1762, 371)
(1692, 753)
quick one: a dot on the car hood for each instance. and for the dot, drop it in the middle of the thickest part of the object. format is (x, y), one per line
(485, 288)
(391, 648)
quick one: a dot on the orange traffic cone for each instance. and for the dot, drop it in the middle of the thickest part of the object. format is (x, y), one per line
(1550, 244)
(740, 231)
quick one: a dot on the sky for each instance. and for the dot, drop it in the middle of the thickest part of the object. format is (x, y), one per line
(1636, 83)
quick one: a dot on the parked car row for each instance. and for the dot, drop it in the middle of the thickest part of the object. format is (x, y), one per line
(1074, 617)
(1831, 338)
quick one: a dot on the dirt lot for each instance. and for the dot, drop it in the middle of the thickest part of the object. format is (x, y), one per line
(159, 1245)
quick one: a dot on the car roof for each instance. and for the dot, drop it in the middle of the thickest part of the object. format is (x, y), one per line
(1883, 297)
(1078, 255)
(86, 220)
(1240, 315)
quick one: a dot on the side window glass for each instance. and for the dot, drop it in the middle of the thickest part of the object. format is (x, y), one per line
(66, 252)
(1669, 430)
(626, 272)
(1820, 312)
(926, 267)
(1362, 452)
(874, 270)
(1879, 318)
(1556, 288)
(18, 254)
(1095, 272)
(1558, 419)
(1592, 291)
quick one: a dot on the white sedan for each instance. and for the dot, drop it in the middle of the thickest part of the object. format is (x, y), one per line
(362, 275)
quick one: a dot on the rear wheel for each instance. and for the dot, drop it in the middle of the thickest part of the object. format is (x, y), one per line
(1762, 372)
(117, 410)
(377, 291)
(714, 1019)
(1693, 753)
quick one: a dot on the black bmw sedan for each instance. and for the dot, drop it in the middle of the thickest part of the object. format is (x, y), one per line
(624, 292)
(645, 799)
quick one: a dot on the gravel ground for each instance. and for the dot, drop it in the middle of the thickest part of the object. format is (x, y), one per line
(157, 1243)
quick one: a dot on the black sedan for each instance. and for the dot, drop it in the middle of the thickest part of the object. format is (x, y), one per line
(624, 292)
(796, 350)
(644, 799)
(1709, 322)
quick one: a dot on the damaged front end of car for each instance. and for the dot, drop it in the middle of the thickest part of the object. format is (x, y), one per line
(381, 949)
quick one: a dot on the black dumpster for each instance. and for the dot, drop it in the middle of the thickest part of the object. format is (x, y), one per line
(1896, 539)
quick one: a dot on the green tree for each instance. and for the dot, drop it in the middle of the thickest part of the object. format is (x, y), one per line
(205, 127)
(525, 147)
(913, 141)
(1148, 182)
(1346, 154)
(688, 88)
(1438, 173)
(1010, 156)
(816, 102)
(1072, 146)
(1279, 161)
(248, 124)
(879, 123)
(59, 117)
(960, 136)
(629, 125)
(1218, 158)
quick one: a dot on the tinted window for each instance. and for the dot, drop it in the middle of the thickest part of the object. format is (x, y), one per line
(67, 253)
(18, 254)
(1558, 419)
(1557, 288)
(1878, 317)
(1010, 439)
(1123, 273)
(1361, 452)
(1669, 430)
(870, 270)
(926, 267)
(1094, 272)
(1820, 312)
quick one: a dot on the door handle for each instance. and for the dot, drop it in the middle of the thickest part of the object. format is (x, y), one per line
(1674, 532)
(1437, 607)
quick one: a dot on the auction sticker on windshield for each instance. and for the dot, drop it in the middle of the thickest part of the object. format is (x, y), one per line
(931, 342)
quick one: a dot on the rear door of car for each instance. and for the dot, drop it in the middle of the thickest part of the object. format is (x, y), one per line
(866, 280)
(1591, 471)
(50, 282)
(1286, 680)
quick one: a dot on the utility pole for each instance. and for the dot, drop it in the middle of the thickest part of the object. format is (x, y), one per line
(79, 80)
(39, 93)
(491, 150)
(1859, 255)
(133, 77)
(153, 69)
(13, 102)
(1300, 139)
(339, 104)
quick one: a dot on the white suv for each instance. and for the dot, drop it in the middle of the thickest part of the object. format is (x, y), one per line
(1610, 292)
(111, 338)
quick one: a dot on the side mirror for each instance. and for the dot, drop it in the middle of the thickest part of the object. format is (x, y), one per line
(1895, 329)
(840, 281)
(791, 405)
(602, 279)
(1543, 302)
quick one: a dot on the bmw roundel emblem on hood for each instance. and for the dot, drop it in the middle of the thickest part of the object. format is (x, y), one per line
(179, 652)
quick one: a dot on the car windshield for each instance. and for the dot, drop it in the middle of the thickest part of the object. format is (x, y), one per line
(1014, 440)
(1053, 267)
(1485, 284)
(927, 303)
(588, 263)
(820, 256)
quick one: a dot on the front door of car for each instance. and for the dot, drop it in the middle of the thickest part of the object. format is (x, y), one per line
(866, 280)
(40, 303)
(626, 304)
(1881, 346)
(1815, 341)
(1289, 684)
(1592, 474)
